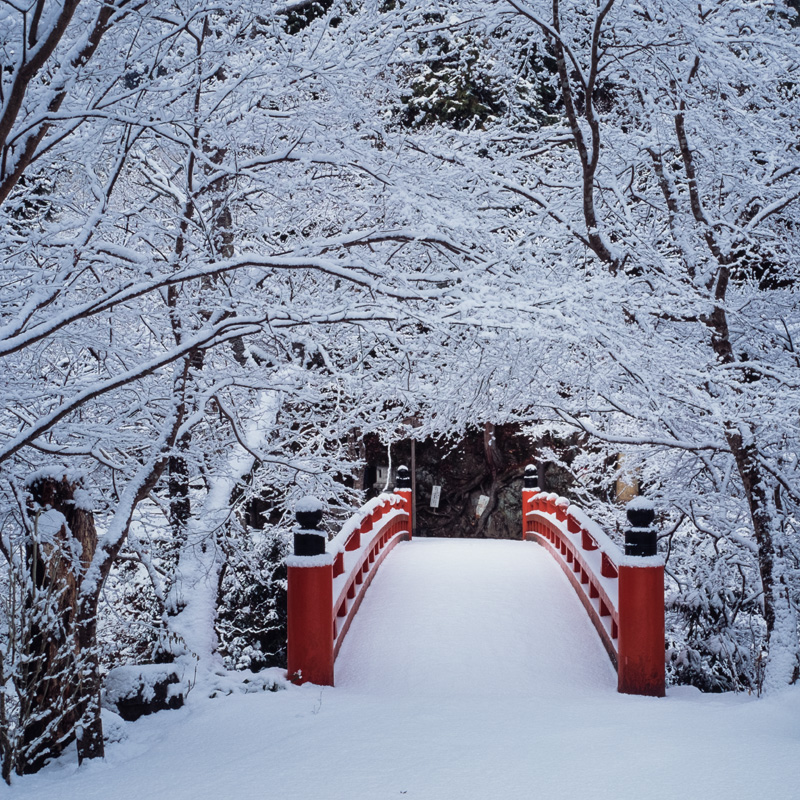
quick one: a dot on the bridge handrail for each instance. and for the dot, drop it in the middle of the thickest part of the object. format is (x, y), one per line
(619, 592)
(339, 542)
(326, 589)
(601, 538)
(358, 549)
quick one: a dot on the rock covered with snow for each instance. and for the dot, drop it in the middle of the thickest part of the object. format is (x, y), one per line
(114, 726)
(134, 690)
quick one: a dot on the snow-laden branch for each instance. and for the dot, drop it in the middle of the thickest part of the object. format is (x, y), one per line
(361, 274)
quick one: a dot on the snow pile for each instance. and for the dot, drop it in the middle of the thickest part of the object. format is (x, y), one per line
(309, 504)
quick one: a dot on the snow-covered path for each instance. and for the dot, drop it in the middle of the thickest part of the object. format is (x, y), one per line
(452, 617)
(471, 673)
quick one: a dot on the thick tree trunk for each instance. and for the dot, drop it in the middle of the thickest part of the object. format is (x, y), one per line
(760, 491)
(90, 725)
(178, 487)
(61, 672)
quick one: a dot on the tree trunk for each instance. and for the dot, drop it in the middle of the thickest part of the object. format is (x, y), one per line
(178, 487)
(780, 615)
(61, 672)
(760, 491)
(90, 724)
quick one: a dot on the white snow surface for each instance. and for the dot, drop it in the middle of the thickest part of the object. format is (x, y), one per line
(471, 672)
(309, 503)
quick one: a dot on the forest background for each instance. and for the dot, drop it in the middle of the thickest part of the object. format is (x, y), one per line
(239, 240)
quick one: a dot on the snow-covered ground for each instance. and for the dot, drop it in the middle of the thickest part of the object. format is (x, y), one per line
(471, 672)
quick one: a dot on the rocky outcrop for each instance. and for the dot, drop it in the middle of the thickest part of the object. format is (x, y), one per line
(486, 462)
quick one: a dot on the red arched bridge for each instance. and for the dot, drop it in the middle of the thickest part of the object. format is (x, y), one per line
(622, 593)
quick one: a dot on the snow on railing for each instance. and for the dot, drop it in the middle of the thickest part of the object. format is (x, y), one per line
(622, 594)
(328, 580)
(359, 551)
(587, 555)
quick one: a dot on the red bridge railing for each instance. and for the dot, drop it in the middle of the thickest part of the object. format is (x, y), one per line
(622, 594)
(327, 581)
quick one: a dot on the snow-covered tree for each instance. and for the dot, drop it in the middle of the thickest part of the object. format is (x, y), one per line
(218, 264)
(669, 211)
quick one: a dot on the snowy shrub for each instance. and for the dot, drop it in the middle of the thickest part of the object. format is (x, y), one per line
(715, 627)
(251, 618)
(129, 624)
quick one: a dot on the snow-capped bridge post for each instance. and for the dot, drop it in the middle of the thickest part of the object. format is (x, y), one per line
(530, 487)
(640, 668)
(403, 488)
(310, 599)
(623, 593)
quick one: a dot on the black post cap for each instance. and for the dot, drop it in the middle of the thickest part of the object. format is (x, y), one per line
(641, 542)
(640, 538)
(403, 480)
(531, 479)
(640, 516)
(308, 513)
(309, 543)
(308, 539)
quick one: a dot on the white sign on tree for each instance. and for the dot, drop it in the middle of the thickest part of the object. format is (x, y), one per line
(483, 501)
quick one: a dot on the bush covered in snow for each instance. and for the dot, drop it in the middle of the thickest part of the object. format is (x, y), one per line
(251, 619)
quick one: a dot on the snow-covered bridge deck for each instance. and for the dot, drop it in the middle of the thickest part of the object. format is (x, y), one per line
(456, 616)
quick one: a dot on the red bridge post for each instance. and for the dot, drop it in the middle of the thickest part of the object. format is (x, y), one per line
(641, 668)
(640, 662)
(530, 486)
(310, 600)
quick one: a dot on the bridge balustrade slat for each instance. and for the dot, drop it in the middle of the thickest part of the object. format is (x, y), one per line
(338, 565)
(608, 569)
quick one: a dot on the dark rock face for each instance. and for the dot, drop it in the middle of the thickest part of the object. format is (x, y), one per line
(555, 479)
(488, 461)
